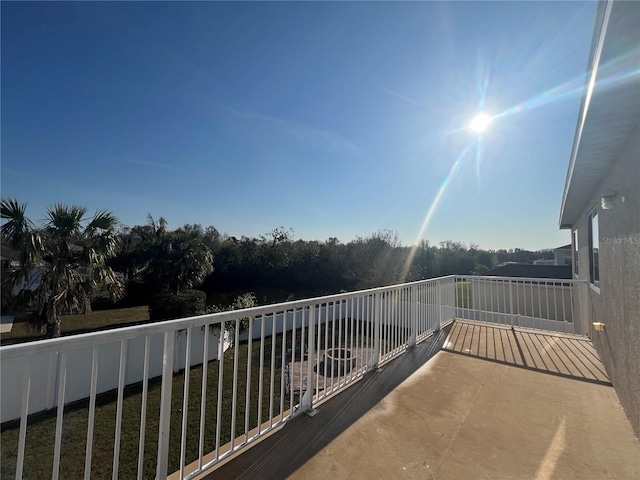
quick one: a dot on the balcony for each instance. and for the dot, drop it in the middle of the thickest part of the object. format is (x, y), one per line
(455, 377)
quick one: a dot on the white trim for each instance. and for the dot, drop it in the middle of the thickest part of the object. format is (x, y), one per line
(586, 101)
(595, 288)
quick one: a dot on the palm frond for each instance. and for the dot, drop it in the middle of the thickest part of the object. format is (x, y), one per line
(64, 220)
(102, 220)
(18, 226)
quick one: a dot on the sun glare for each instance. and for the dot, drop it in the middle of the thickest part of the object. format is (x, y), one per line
(480, 123)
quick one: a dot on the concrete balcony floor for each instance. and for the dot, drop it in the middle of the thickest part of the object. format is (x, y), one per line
(484, 402)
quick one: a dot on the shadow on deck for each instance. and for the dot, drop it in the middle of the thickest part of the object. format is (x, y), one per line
(566, 356)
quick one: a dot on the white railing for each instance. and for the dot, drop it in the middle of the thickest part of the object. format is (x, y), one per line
(538, 303)
(285, 359)
(183, 404)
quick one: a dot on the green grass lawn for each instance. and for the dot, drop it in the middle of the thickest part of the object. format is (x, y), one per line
(74, 324)
(41, 427)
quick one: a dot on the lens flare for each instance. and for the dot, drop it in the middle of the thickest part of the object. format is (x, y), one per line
(480, 123)
(431, 211)
(612, 74)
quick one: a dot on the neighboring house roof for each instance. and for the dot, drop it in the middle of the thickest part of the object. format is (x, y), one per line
(610, 104)
(531, 271)
(564, 247)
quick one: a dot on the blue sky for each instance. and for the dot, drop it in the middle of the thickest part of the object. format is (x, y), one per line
(334, 119)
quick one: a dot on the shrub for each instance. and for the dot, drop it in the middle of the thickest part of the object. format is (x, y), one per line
(246, 300)
(167, 305)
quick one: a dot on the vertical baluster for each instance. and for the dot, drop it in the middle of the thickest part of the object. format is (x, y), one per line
(539, 300)
(272, 378)
(62, 382)
(24, 412)
(165, 404)
(366, 332)
(247, 398)
(518, 301)
(376, 330)
(121, 381)
(525, 299)
(393, 322)
(351, 334)
(261, 381)
(333, 339)
(493, 309)
(546, 294)
(470, 296)
(185, 403)
(485, 303)
(406, 307)
(306, 405)
(383, 315)
(92, 413)
(303, 341)
(354, 362)
(317, 349)
(573, 318)
(234, 398)
(282, 360)
(203, 392)
(555, 302)
(562, 288)
(220, 386)
(341, 320)
(294, 336)
(326, 342)
(511, 302)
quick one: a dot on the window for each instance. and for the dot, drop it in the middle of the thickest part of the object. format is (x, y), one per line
(594, 249)
(574, 242)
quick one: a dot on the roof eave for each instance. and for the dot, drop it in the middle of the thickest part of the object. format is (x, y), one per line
(599, 31)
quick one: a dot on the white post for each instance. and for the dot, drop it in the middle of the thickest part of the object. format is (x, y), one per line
(439, 303)
(306, 405)
(377, 318)
(511, 302)
(414, 315)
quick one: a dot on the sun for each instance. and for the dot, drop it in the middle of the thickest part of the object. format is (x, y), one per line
(480, 123)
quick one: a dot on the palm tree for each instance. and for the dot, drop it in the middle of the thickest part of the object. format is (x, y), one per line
(178, 259)
(64, 264)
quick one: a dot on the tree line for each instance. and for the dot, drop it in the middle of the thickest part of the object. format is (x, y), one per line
(71, 260)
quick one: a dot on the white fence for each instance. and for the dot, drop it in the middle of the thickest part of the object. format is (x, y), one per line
(45, 368)
(290, 356)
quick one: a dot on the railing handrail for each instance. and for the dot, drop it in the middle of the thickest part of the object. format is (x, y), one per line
(127, 333)
(541, 280)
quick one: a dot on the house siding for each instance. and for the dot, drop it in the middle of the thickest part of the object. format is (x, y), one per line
(617, 303)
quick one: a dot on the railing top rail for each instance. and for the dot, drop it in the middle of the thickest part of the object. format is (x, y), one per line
(126, 333)
(528, 279)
